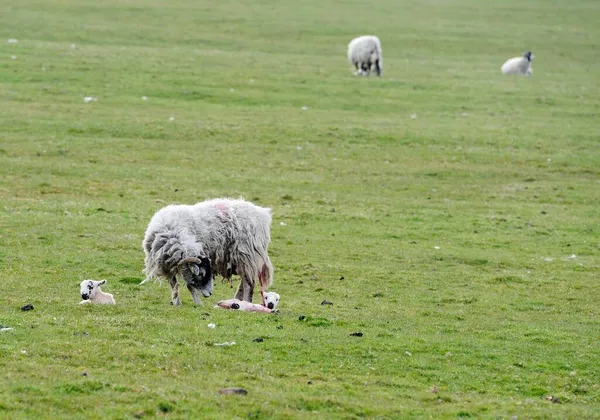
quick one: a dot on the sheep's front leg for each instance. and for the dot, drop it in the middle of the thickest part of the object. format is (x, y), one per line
(194, 293)
(175, 300)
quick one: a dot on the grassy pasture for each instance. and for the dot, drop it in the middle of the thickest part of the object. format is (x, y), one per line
(449, 213)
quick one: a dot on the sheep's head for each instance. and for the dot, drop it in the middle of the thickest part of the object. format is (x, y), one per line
(271, 300)
(529, 56)
(197, 273)
(89, 288)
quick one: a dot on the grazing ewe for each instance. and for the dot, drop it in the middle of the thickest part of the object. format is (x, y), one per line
(519, 65)
(221, 236)
(91, 293)
(365, 53)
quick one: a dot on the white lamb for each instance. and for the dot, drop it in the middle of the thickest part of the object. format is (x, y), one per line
(91, 293)
(365, 54)
(519, 65)
(271, 300)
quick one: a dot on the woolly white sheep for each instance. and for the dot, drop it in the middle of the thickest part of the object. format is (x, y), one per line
(519, 65)
(220, 236)
(365, 54)
(91, 293)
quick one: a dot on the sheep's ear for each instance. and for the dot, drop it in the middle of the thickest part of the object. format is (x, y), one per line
(195, 269)
(101, 282)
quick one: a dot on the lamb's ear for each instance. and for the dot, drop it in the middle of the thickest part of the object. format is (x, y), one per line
(101, 282)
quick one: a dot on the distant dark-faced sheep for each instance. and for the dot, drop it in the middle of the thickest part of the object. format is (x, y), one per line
(221, 236)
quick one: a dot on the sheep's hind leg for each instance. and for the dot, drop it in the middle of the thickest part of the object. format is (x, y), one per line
(175, 299)
(261, 280)
(246, 289)
(239, 295)
(378, 68)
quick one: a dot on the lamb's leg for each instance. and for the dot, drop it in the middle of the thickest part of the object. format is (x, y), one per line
(175, 300)
(377, 68)
(194, 293)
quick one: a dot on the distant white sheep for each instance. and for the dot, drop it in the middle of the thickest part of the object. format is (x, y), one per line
(519, 65)
(365, 54)
(221, 236)
(91, 293)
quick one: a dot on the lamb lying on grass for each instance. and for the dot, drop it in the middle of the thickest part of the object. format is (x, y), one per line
(271, 299)
(242, 305)
(91, 293)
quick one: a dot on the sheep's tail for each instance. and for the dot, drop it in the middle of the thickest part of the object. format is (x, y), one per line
(165, 249)
(265, 275)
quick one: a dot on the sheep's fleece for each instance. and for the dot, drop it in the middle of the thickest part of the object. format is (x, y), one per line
(364, 52)
(519, 65)
(220, 236)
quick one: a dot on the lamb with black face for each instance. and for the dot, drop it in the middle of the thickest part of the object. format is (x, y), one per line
(86, 290)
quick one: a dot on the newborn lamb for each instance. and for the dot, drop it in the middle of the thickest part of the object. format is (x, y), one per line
(91, 293)
(242, 305)
(271, 301)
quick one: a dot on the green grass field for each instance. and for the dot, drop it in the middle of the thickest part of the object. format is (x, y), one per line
(450, 213)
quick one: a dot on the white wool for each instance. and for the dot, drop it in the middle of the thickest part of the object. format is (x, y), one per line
(365, 53)
(221, 236)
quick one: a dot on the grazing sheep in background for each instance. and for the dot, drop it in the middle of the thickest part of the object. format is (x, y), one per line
(365, 53)
(220, 236)
(91, 293)
(519, 65)
(271, 300)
